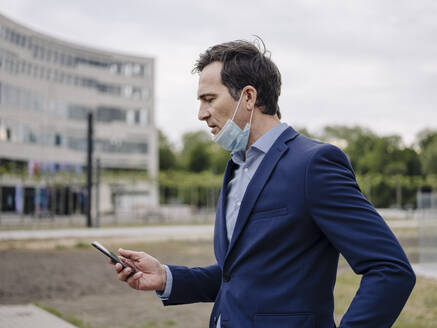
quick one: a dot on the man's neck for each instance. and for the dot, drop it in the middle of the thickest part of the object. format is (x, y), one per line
(261, 124)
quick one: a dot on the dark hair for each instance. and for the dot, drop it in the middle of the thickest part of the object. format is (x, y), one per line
(246, 63)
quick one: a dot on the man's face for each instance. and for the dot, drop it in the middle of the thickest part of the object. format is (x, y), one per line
(216, 103)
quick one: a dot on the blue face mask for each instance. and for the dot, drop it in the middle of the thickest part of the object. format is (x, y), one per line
(231, 137)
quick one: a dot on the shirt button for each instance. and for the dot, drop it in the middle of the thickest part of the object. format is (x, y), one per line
(238, 203)
(246, 169)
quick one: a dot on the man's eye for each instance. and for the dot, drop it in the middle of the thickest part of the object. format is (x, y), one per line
(209, 100)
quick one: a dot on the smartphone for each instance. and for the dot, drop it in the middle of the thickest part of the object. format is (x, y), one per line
(111, 255)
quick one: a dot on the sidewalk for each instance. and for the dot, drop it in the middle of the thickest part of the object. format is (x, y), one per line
(427, 270)
(154, 232)
(29, 316)
(149, 233)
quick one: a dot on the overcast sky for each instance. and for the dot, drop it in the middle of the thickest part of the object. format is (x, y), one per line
(366, 62)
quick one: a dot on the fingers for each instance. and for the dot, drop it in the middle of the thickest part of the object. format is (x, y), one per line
(123, 274)
(132, 255)
(127, 261)
(132, 280)
(118, 267)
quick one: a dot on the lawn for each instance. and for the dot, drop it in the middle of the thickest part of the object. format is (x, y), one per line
(419, 312)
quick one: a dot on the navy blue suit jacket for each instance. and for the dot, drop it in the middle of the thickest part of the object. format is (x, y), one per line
(301, 209)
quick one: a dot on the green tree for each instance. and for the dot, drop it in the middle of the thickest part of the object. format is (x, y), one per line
(355, 141)
(382, 162)
(427, 140)
(219, 158)
(370, 153)
(346, 133)
(196, 155)
(305, 132)
(167, 156)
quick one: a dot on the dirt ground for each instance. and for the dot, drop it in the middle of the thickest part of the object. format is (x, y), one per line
(79, 282)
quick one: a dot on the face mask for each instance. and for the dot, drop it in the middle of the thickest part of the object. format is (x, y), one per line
(231, 137)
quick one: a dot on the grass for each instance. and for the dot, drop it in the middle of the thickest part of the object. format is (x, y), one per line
(67, 317)
(60, 247)
(419, 312)
(78, 245)
(81, 244)
(155, 324)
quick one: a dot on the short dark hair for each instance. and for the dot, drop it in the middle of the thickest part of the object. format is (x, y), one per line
(246, 63)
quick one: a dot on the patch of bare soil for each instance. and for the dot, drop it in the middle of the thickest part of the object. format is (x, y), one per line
(80, 282)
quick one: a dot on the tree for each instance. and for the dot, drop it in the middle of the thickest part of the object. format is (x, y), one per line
(385, 166)
(427, 140)
(196, 155)
(305, 132)
(198, 158)
(219, 158)
(167, 156)
(346, 133)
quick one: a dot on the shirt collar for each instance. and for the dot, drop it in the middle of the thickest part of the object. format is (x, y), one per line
(263, 144)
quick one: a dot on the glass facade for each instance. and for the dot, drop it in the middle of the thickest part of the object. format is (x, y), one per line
(48, 88)
(27, 100)
(21, 133)
(44, 50)
(33, 59)
(11, 63)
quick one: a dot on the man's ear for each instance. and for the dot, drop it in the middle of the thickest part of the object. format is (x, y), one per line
(250, 95)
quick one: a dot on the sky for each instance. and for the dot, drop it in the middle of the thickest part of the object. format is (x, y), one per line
(364, 62)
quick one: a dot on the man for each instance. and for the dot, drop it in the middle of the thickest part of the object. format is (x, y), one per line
(288, 206)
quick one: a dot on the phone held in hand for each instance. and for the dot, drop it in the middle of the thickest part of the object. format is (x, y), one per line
(111, 255)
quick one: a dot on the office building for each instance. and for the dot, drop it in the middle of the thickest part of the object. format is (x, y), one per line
(47, 88)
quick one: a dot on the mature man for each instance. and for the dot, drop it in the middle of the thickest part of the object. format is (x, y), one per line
(288, 206)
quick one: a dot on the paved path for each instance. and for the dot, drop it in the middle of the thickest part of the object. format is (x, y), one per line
(402, 223)
(428, 270)
(29, 316)
(170, 231)
(152, 232)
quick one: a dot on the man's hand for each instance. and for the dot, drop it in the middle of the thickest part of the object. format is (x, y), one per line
(151, 274)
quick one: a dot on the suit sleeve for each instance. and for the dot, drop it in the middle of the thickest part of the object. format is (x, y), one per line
(353, 226)
(192, 285)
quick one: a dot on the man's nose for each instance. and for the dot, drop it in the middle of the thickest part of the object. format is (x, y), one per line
(203, 113)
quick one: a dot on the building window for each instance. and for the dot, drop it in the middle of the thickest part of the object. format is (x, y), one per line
(137, 117)
(58, 140)
(144, 120)
(32, 137)
(127, 91)
(130, 117)
(109, 114)
(78, 112)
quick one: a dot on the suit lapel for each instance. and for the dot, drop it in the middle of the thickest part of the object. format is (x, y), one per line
(220, 231)
(258, 181)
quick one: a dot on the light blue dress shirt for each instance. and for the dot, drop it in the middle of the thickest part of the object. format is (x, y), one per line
(248, 162)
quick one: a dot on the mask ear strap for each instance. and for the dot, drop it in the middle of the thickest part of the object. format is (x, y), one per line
(251, 114)
(238, 105)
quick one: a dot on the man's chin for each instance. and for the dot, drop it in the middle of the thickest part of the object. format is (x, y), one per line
(215, 131)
